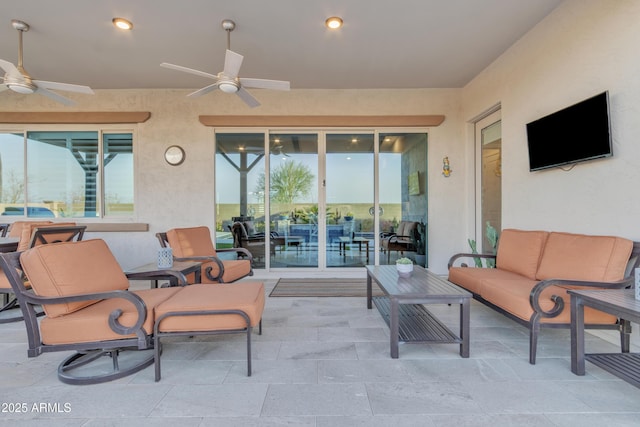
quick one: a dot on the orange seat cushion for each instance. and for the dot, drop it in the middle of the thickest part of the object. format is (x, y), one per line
(471, 278)
(72, 268)
(513, 297)
(248, 297)
(92, 323)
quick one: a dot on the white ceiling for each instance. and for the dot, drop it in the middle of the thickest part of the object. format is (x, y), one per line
(383, 44)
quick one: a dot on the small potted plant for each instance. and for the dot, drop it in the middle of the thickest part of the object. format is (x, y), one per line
(404, 266)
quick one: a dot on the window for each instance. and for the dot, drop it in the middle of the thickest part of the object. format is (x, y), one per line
(69, 174)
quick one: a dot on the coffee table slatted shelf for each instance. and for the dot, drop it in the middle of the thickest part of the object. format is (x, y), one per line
(417, 324)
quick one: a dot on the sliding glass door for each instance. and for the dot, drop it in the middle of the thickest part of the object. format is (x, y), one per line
(320, 200)
(349, 195)
(293, 200)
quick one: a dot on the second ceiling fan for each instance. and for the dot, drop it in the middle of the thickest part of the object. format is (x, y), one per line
(227, 80)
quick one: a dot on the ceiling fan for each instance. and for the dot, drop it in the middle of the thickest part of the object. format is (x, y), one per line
(18, 80)
(227, 80)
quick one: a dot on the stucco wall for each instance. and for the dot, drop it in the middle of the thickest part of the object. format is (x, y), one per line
(182, 196)
(581, 49)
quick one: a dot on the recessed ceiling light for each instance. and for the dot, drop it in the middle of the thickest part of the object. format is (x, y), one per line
(333, 23)
(122, 23)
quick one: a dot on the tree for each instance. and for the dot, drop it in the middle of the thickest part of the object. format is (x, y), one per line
(288, 181)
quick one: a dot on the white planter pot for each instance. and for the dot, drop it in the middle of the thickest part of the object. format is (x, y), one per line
(404, 270)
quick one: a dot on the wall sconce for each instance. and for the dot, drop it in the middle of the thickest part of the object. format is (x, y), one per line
(446, 168)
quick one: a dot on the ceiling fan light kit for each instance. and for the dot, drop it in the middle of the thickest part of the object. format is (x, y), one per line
(227, 80)
(18, 80)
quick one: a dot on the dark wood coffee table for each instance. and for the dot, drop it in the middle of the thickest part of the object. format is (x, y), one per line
(403, 310)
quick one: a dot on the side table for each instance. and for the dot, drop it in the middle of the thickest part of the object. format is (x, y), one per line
(620, 303)
(153, 273)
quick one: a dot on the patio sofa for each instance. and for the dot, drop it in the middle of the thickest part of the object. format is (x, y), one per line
(534, 270)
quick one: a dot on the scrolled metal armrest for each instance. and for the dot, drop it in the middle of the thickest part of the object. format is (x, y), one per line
(558, 301)
(115, 325)
(468, 255)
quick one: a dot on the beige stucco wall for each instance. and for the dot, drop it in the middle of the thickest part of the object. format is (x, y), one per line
(583, 48)
(181, 196)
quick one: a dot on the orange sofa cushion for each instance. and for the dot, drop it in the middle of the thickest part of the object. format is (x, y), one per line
(513, 297)
(248, 297)
(92, 323)
(94, 269)
(29, 228)
(584, 257)
(471, 278)
(520, 251)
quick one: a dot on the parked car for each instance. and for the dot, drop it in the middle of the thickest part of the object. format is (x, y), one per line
(32, 211)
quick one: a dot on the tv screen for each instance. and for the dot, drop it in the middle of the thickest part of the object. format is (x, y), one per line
(574, 134)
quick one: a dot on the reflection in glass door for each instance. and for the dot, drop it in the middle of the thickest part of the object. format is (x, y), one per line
(240, 212)
(402, 197)
(349, 195)
(293, 200)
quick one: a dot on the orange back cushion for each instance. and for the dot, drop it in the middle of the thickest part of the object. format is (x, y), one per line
(519, 251)
(29, 228)
(16, 227)
(193, 241)
(72, 268)
(583, 257)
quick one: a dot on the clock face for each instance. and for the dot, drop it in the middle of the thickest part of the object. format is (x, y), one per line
(174, 155)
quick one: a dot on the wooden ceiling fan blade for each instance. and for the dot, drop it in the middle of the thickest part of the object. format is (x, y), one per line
(58, 98)
(247, 97)
(188, 70)
(63, 86)
(232, 63)
(265, 84)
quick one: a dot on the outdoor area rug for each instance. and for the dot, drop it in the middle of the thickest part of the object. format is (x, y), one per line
(332, 287)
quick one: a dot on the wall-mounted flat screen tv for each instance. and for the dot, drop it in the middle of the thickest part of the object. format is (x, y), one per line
(574, 134)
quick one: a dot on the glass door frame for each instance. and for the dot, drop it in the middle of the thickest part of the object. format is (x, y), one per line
(322, 133)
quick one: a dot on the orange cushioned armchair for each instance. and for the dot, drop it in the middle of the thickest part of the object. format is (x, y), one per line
(195, 244)
(90, 309)
(33, 234)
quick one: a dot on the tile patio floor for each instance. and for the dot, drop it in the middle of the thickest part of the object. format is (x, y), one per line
(325, 362)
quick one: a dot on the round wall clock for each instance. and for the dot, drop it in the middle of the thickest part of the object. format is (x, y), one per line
(174, 155)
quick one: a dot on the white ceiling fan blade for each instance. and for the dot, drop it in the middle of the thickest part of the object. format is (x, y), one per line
(58, 98)
(9, 68)
(265, 84)
(204, 90)
(63, 86)
(188, 70)
(247, 97)
(232, 63)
